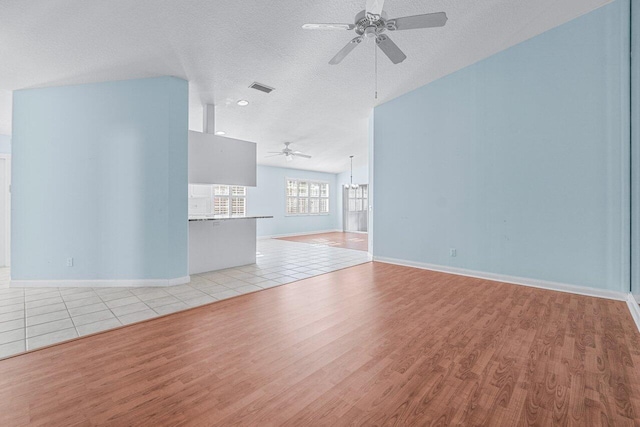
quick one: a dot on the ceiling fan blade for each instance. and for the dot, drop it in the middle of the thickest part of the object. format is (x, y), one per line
(306, 156)
(345, 51)
(374, 7)
(328, 26)
(390, 49)
(274, 155)
(274, 152)
(429, 20)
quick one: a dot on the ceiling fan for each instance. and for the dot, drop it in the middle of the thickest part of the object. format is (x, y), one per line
(288, 153)
(373, 22)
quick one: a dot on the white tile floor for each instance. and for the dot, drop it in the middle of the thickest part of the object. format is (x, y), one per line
(36, 317)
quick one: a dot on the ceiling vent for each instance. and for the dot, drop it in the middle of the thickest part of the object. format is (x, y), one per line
(261, 87)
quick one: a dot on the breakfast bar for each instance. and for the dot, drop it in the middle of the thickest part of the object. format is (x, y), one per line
(221, 234)
(221, 241)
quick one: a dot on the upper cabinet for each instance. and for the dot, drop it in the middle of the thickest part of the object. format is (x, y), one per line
(217, 160)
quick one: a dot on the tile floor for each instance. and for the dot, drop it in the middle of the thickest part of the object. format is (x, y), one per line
(36, 317)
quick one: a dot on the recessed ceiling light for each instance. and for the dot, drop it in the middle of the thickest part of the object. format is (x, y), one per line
(243, 103)
(221, 132)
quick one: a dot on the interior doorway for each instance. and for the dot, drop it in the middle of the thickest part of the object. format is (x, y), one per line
(355, 208)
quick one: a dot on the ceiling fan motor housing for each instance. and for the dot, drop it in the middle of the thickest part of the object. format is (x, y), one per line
(373, 22)
(368, 28)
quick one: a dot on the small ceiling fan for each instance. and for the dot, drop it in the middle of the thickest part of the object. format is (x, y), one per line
(288, 153)
(373, 22)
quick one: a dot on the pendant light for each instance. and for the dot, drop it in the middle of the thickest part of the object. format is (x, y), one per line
(352, 185)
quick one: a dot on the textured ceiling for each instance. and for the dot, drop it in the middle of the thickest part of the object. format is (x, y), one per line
(221, 46)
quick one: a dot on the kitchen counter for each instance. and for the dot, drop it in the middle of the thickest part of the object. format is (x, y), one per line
(225, 217)
(216, 242)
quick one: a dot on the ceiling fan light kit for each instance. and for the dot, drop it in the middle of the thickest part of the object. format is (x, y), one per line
(372, 23)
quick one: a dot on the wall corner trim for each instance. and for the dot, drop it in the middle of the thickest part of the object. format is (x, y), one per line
(541, 284)
(128, 283)
(634, 308)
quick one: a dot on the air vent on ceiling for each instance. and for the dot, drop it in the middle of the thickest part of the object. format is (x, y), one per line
(261, 87)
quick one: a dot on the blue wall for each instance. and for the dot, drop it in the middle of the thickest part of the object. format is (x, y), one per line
(100, 175)
(520, 161)
(5, 144)
(635, 149)
(268, 198)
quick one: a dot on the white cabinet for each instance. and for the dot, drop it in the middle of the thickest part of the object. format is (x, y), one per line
(218, 160)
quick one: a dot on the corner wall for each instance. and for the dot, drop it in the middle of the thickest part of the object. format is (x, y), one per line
(635, 151)
(100, 176)
(520, 162)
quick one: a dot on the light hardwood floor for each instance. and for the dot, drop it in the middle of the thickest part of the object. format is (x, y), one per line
(357, 241)
(374, 344)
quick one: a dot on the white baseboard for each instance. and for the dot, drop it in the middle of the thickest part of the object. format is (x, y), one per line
(306, 233)
(634, 308)
(133, 283)
(542, 284)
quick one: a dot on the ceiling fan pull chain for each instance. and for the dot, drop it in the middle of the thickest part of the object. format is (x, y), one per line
(375, 47)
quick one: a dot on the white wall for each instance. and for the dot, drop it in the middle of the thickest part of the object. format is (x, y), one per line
(5, 112)
(268, 198)
(5, 210)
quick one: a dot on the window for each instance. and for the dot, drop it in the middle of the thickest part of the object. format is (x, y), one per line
(221, 200)
(226, 199)
(357, 198)
(229, 200)
(305, 197)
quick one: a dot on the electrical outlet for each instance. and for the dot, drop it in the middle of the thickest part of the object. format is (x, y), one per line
(69, 262)
(453, 252)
